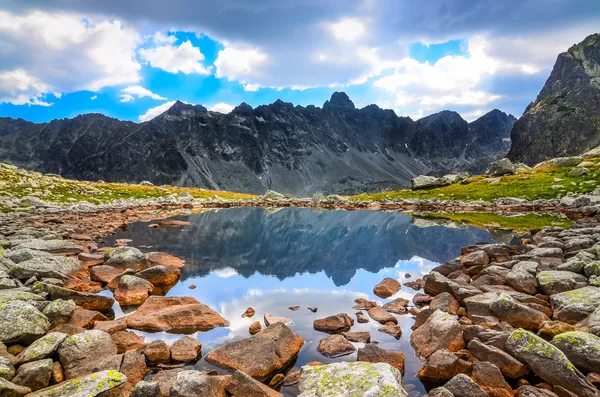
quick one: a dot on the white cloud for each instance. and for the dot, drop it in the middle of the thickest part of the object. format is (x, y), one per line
(184, 58)
(251, 87)
(160, 38)
(94, 97)
(222, 108)
(238, 63)
(473, 115)
(44, 52)
(128, 93)
(156, 111)
(348, 29)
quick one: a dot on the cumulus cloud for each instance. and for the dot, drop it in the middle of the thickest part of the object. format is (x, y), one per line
(45, 52)
(239, 63)
(347, 29)
(222, 108)
(184, 58)
(156, 111)
(128, 94)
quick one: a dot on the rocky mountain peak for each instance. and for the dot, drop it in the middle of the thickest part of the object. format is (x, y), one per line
(180, 108)
(243, 109)
(339, 100)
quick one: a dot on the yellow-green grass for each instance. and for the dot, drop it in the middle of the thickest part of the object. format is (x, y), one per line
(530, 184)
(518, 222)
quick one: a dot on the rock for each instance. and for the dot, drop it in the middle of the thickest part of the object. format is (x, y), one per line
(146, 389)
(9, 389)
(444, 302)
(435, 284)
(440, 331)
(501, 167)
(42, 348)
(21, 322)
(198, 384)
(111, 326)
(555, 281)
(592, 269)
(163, 259)
(334, 324)
(463, 386)
(581, 348)
(244, 385)
(185, 349)
(362, 318)
(86, 318)
(363, 304)
(86, 300)
(573, 306)
(374, 354)
(531, 391)
(579, 171)
(359, 337)
(133, 365)
(75, 352)
(157, 352)
(421, 299)
(104, 274)
(443, 365)
(386, 288)
(350, 379)
(475, 258)
(522, 281)
(271, 319)
(165, 380)
(174, 314)
(516, 314)
(58, 247)
(335, 346)
(397, 306)
(43, 265)
(59, 311)
(249, 312)
(7, 370)
(35, 375)
(439, 392)
(160, 275)
(548, 362)
(382, 316)
(254, 328)
(490, 379)
(172, 223)
(552, 328)
(86, 386)
(425, 181)
(58, 375)
(127, 340)
(260, 355)
(510, 367)
(90, 260)
(391, 329)
(124, 257)
(132, 290)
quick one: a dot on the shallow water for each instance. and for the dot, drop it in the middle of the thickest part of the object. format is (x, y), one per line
(273, 259)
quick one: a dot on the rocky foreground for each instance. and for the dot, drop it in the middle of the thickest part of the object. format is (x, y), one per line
(497, 321)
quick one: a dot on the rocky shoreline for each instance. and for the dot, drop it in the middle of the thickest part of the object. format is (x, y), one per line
(497, 321)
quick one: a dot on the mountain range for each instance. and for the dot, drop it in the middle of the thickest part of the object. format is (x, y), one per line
(291, 149)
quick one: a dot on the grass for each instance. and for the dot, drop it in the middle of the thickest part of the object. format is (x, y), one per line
(520, 222)
(531, 184)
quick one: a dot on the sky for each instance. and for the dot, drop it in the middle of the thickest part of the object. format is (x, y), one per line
(131, 60)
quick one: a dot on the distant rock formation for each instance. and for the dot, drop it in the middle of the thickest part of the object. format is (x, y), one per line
(565, 118)
(290, 149)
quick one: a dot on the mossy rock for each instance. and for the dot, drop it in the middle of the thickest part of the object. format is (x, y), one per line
(85, 386)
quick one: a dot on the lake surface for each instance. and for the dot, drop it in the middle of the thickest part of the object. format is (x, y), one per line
(273, 259)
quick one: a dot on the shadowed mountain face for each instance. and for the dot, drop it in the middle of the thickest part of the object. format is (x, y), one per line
(292, 241)
(298, 150)
(565, 118)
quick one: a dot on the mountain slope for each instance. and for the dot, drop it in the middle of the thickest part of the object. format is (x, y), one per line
(565, 118)
(292, 149)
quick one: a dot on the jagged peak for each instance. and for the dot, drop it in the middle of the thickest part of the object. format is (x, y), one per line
(179, 107)
(339, 100)
(242, 109)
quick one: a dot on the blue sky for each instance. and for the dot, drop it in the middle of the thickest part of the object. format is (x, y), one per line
(61, 58)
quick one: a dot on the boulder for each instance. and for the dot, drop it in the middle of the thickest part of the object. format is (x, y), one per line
(463, 386)
(86, 318)
(581, 348)
(555, 281)
(358, 337)
(58, 247)
(160, 275)
(127, 340)
(532, 391)
(174, 314)
(124, 257)
(374, 354)
(21, 322)
(335, 346)
(334, 324)
(351, 379)
(573, 306)
(35, 374)
(548, 362)
(133, 365)
(425, 181)
(382, 316)
(501, 167)
(111, 326)
(198, 384)
(44, 347)
(444, 302)
(362, 318)
(157, 351)
(435, 284)
(165, 380)
(76, 350)
(552, 328)
(44, 265)
(9, 389)
(510, 367)
(86, 386)
(132, 290)
(475, 258)
(103, 273)
(440, 331)
(244, 385)
(185, 349)
(516, 314)
(386, 288)
(59, 311)
(391, 329)
(522, 281)
(271, 319)
(254, 328)
(397, 306)
(592, 269)
(260, 355)
(163, 259)
(146, 389)
(7, 370)
(443, 365)
(490, 379)
(86, 300)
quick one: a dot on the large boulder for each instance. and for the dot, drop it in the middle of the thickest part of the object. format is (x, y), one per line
(381, 315)
(260, 355)
(555, 281)
(351, 379)
(374, 354)
(9, 389)
(21, 322)
(463, 386)
(436, 283)
(425, 181)
(86, 300)
(440, 331)
(160, 275)
(125, 257)
(386, 287)
(335, 346)
(573, 306)
(60, 247)
(517, 314)
(501, 167)
(44, 265)
(581, 348)
(44, 347)
(510, 367)
(548, 362)
(174, 314)
(81, 352)
(86, 386)
(197, 384)
(241, 384)
(443, 365)
(35, 375)
(334, 324)
(490, 379)
(132, 290)
(185, 349)
(522, 281)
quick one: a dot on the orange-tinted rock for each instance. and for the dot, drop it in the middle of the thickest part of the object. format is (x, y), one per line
(88, 260)
(160, 275)
(334, 324)
(397, 306)
(165, 380)
(391, 329)
(104, 273)
(82, 285)
(185, 349)
(86, 318)
(443, 365)
(163, 259)
(249, 312)
(363, 304)
(157, 352)
(475, 258)
(260, 355)
(254, 328)
(335, 346)
(361, 337)
(132, 290)
(57, 373)
(362, 318)
(174, 314)
(374, 354)
(271, 319)
(243, 385)
(382, 316)
(172, 223)
(111, 326)
(127, 340)
(440, 331)
(490, 379)
(386, 288)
